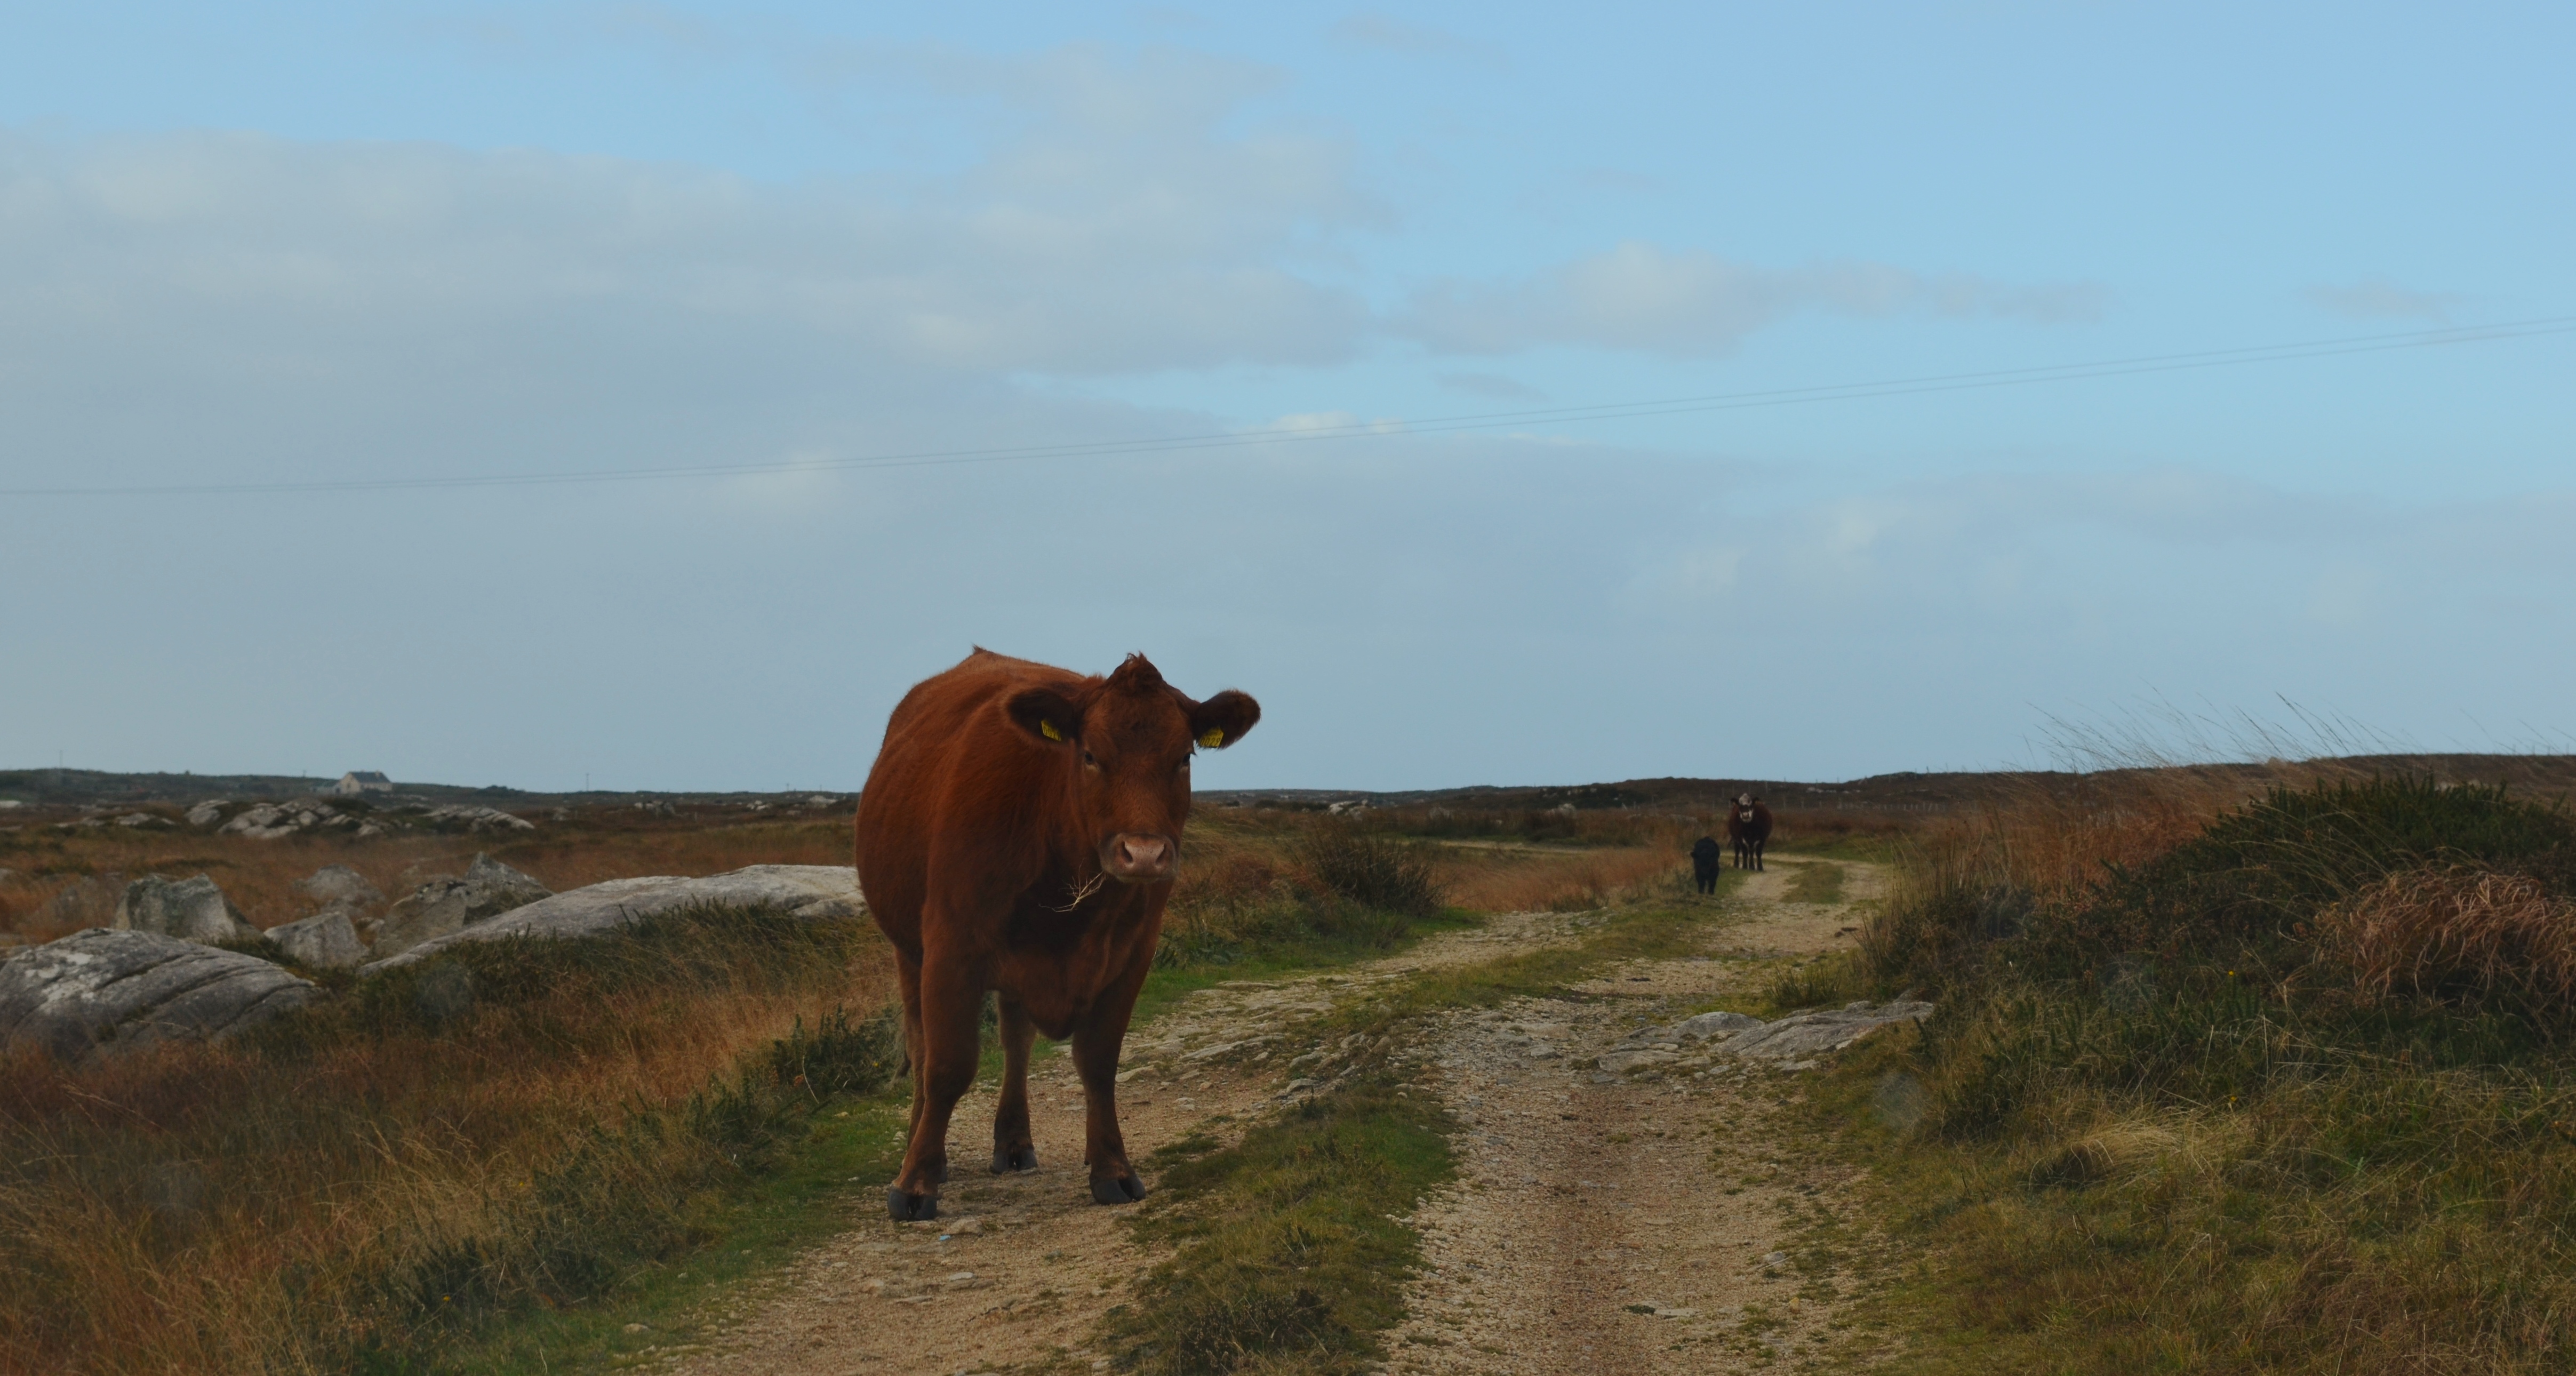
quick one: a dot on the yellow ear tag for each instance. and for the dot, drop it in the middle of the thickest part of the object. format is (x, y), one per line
(1047, 729)
(1213, 737)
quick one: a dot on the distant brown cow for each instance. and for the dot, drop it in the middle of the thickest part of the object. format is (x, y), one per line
(1748, 825)
(1019, 833)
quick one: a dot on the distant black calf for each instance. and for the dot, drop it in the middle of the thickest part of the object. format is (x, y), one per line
(1705, 863)
(1748, 825)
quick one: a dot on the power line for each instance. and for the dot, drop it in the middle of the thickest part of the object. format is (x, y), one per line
(1431, 425)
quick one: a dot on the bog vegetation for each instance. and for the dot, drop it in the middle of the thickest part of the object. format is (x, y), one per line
(2223, 1079)
(2281, 1083)
(426, 1157)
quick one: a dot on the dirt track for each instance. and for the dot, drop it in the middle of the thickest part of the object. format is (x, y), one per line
(1597, 1224)
(1607, 1224)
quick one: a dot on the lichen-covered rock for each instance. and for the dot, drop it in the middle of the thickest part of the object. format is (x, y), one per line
(271, 821)
(1707, 1025)
(1698, 1029)
(189, 909)
(449, 904)
(812, 892)
(1807, 1034)
(328, 940)
(473, 817)
(338, 886)
(105, 989)
(1621, 1062)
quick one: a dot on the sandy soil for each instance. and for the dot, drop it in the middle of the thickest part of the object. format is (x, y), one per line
(1592, 1227)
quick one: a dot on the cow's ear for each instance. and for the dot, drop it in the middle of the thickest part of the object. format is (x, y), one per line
(1221, 720)
(1046, 714)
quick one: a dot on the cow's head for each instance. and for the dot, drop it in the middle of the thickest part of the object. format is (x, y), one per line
(1127, 741)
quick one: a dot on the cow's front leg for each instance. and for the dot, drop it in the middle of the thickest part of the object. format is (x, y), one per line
(946, 1053)
(1096, 1043)
(1013, 1150)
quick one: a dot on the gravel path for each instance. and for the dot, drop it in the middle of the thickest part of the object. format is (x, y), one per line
(1588, 1231)
(1608, 1224)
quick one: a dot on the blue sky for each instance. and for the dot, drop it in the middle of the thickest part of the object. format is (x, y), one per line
(283, 244)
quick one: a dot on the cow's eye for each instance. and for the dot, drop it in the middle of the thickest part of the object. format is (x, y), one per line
(1089, 760)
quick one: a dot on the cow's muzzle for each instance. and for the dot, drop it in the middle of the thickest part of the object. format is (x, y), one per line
(1136, 858)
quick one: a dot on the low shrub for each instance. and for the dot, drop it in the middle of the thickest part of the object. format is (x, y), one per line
(1346, 862)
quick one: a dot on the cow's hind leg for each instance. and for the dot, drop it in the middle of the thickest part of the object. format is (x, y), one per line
(908, 981)
(1012, 1148)
(944, 1057)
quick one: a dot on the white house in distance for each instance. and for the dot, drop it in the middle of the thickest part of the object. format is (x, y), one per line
(358, 781)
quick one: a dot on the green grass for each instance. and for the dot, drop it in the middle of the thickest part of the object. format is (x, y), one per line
(1868, 849)
(1819, 881)
(1289, 1259)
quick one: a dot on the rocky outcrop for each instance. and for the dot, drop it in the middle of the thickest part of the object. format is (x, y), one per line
(1796, 1037)
(1808, 1034)
(812, 892)
(104, 989)
(338, 886)
(207, 813)
(188, 909)
(449, 904)
(328, 940)
(468, 817)
(271, 821)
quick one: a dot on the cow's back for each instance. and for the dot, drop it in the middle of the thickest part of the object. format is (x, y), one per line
(944, 774)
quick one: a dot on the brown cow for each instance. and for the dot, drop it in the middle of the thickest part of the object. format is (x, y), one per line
(1018, 834)
(1748, 825)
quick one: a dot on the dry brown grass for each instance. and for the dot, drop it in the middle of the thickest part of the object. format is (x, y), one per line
(1520, 881)
(260, 1206)
(235, 1208)
(2456, 935)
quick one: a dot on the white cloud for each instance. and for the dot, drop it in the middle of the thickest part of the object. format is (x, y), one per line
(1124, 231)
(1493, 385)
(2375, 298)
(1693, 303)
(1378, 32)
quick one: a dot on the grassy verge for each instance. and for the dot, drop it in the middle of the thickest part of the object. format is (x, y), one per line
(1288, 1239)
(750, 1227)
(2293, 1095)
(1819, 881)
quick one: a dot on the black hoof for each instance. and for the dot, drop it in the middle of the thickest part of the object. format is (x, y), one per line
(1014, 1159)
(1117, 1189)
(904, 1206)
